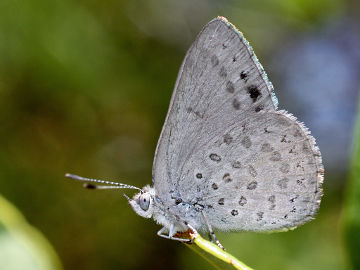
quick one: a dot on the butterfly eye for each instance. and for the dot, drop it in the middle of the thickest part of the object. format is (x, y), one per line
(144, 201)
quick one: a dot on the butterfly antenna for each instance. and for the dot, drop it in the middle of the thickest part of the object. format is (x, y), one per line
(108, 184)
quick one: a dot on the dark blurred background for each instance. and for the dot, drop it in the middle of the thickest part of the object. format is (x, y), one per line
(85, 87)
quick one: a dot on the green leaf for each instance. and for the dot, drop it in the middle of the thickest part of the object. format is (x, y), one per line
(21, 245)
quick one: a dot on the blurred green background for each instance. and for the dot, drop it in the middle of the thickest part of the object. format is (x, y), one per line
(85, 87)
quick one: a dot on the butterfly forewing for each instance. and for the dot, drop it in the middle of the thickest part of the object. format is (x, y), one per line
(210, 154)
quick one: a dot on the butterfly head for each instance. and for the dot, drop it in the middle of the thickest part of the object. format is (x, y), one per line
(143, 202)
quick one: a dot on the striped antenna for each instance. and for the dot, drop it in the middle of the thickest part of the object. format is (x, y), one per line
(108, 184)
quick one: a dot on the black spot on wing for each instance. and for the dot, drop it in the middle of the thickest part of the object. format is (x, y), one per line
(260, 216)
(228, 139)
(236, 164)
(252, 185)
(199, 175)
(227, 178)
(243, 76)
(259, 108)
(254, 92)
(242, 201)
(215, 157)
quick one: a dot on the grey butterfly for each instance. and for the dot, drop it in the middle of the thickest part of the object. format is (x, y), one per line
(227, 159)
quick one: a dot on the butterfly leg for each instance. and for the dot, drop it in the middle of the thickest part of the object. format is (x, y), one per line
(210, 238)
(211, 232)
(170, 236)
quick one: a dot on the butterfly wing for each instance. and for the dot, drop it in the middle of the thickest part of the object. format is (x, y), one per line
(220, 87)
(264, 173)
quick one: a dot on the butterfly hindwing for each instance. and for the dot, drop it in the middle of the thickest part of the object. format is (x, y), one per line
(264, 173)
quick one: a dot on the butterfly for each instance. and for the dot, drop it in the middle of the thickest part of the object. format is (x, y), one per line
(227, 159)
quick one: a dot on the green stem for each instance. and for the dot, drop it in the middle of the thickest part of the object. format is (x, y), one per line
(216, 256)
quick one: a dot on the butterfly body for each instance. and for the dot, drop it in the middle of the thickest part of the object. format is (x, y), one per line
(172, 217)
